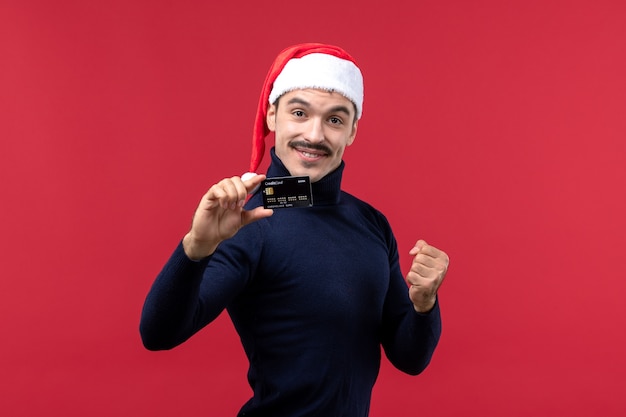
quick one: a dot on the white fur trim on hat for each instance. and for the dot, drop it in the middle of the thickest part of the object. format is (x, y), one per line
(322, 71)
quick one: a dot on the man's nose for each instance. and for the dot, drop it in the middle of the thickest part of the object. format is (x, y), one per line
(314, 130)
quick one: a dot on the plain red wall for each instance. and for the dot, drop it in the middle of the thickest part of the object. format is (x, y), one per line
(493, 129)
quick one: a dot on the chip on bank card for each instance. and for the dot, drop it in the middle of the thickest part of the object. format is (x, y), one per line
(286, 192)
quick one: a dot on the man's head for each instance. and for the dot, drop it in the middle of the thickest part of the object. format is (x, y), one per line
(312, 129)
(312, 99)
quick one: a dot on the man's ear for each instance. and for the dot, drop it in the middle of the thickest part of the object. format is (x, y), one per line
(270, 119)
(353, 134)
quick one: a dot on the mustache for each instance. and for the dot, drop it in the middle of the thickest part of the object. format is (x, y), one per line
(313, 146)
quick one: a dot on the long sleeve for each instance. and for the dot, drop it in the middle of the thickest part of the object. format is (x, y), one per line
(170, 306)
(187, 295)
(410, 345)
(408, 338)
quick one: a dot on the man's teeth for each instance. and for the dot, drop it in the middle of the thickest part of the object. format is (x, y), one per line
(309, 155)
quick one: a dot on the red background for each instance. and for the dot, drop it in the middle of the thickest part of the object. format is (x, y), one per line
(493, 129)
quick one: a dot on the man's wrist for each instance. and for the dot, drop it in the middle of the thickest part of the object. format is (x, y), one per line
(425, 308)
(197, 250)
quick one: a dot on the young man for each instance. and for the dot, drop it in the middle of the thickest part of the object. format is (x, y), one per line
(313, 292)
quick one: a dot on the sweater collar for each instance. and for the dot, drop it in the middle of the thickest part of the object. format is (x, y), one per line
(326, 191)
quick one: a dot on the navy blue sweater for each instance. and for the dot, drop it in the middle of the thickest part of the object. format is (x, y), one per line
(313, 293)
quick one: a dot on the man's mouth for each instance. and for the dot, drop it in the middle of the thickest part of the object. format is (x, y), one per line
(311, 151)
(309, 154)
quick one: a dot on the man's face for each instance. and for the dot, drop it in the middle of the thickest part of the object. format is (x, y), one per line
(312, 128)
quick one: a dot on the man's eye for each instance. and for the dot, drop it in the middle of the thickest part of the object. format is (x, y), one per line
(298, 113)
(335, 120)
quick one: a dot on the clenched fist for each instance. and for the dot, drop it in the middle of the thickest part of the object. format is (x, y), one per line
(427, 272)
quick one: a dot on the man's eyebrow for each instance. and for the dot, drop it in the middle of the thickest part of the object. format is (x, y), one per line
(297, 100)
(342, 109)
(336, 109)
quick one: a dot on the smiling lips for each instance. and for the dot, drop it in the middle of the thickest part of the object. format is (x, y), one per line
(311, 152)
(311, 155)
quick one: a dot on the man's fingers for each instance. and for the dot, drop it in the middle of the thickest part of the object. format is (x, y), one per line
(249, 216)
(423, 270)
(231, 197)
(426, 260)
(423, 252)
(242, 192)
(417, 247)
(433, 252)
(252, 182)
(229, 193)
(429, 264)
(427, 272)
(214, 196)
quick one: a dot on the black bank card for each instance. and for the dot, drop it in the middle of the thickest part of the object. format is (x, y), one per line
(286, 192)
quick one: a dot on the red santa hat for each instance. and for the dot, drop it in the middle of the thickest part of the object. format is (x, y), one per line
(307, 65)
